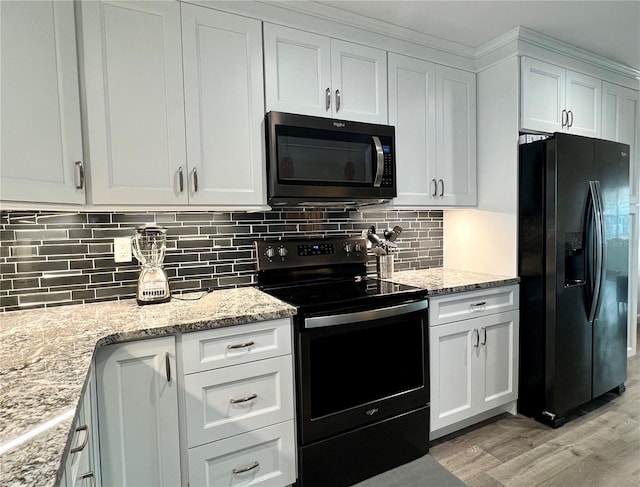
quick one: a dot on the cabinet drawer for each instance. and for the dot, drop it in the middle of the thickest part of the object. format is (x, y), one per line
(233, 400)
(212, 349)
(461, 306)
(262, 457)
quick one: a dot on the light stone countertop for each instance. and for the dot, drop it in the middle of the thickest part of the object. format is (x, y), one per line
(445, 281)
(45, 355)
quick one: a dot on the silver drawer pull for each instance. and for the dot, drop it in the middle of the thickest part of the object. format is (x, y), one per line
(88, 475)
(84, 428)
(246, 469)
(240, 345)
(243, 399)
(478, 305)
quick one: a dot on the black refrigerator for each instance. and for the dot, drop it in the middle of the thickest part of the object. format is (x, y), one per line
(573, 261)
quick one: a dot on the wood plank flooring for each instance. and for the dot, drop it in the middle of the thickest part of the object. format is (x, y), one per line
(598, 449)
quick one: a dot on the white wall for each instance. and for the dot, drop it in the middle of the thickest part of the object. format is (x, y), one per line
(485, 239)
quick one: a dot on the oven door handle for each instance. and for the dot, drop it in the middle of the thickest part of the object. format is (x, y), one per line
(369, 315)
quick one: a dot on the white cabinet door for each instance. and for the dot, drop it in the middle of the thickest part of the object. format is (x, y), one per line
(499, 339)
(297, 68)
(132, 67)
(359, 82)
(621, 122)
(138, 413)
(473, 367)
(412, 110)
(456, 136)
(453, 370)
(584, 101)
(224, 107)
(542, 96)
(40, 103)
(311, 74)
(265, 457)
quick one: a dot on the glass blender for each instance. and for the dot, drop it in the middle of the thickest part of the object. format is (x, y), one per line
(149, 246)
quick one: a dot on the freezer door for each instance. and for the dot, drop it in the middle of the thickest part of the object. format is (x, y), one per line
(569, 169)
(610, 325)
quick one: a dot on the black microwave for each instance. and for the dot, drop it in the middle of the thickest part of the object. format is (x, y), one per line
(314, 161)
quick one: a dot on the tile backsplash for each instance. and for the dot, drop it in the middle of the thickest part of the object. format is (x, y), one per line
(53, 258)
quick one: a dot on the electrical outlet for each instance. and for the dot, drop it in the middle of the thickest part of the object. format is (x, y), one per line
(122, 249)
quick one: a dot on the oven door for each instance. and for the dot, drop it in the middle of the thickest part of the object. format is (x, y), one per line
(359, 368)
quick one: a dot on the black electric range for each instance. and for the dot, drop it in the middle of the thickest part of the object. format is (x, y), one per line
(361, 362)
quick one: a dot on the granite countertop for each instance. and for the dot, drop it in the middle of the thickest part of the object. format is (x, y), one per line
(45, 355)
(444, 281)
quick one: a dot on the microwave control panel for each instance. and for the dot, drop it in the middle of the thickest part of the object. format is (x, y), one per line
(387, 173)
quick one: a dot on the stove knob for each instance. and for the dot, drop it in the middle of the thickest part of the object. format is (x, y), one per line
(347, 247)
(357, 247)
(282, 251)
(270, 252)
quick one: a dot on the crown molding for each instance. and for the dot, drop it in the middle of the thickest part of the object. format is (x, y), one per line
(533, 38)
(333, 14)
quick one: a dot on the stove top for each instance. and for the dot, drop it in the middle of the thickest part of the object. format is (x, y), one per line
(342, 292)
(324, 274)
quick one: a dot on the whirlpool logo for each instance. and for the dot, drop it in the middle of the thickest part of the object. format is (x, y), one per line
(371, 412)
(339, 124)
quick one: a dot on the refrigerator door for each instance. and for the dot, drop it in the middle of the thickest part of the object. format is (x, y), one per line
(570, 166)
(610, 325)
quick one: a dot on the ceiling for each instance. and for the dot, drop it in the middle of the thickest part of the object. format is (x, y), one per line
(609, 28)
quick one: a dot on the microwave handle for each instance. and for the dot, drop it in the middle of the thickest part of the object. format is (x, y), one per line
(380, 162)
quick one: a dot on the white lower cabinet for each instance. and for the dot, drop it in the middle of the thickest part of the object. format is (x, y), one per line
(473, 365)
(81, 467)
(262, 457)
(239, 413)
(227, 416)
(138, 413)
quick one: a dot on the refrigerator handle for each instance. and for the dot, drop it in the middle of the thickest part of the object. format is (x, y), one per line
(598, 226)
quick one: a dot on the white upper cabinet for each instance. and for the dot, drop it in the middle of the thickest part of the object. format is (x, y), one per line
(456, 136)
(554, 99)
(311, 74)
(175, 104)
(434, 111)
(621, 122)
(41, 150)
(224, 106)
(132, 64)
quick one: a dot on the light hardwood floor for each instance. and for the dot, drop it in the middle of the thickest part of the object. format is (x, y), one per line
(598, 449)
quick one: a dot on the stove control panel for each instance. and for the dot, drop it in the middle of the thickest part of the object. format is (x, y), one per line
(292, 253)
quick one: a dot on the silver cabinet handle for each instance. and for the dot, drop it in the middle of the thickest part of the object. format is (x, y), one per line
(379, 162)
(240, 345)
(246, 469)
(569, 120)
(180, 179)
(243, 399)
(474, 306)
(90, 475)
(195, 180)
(477, 335)
(484, 336)
(338, 104)
(84, 428)
(79, 175)
(167, 366)
(327, 98)
(435, 188)
(442, 188)
(565, 118)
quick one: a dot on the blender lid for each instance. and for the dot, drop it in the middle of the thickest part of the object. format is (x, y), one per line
(151, 229)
